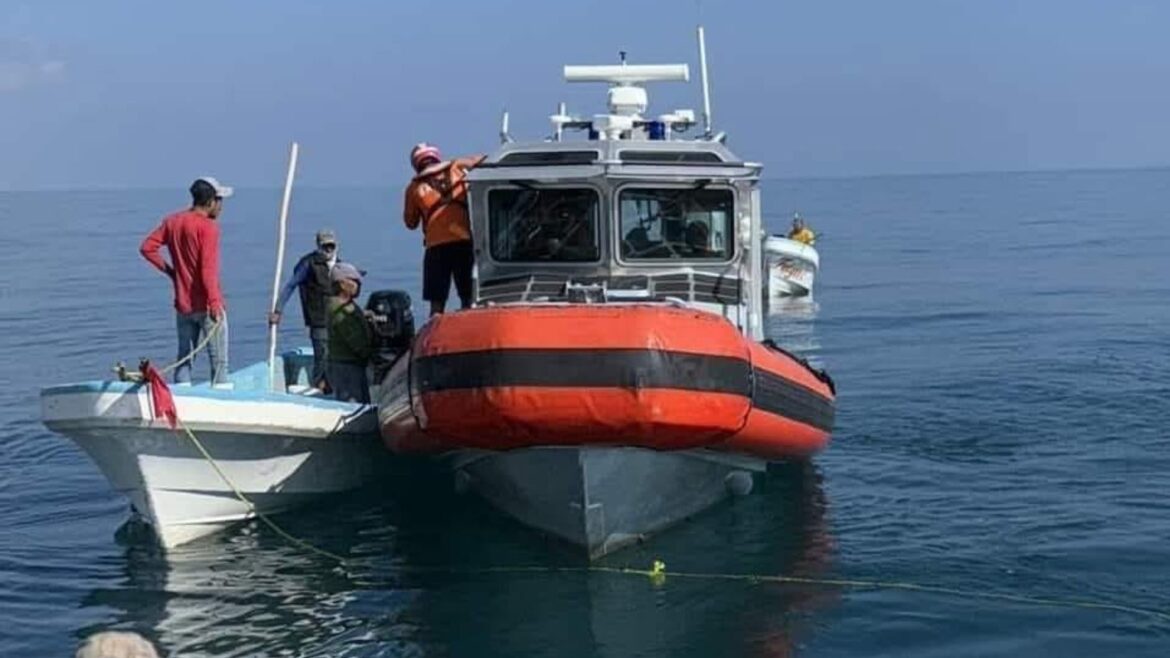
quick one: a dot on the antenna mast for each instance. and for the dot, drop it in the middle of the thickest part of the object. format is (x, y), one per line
(505, 136)
(706, 87)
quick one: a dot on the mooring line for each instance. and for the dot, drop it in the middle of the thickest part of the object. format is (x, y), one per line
(658, 573)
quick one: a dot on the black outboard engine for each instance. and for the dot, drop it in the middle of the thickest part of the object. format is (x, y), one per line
(392, 323)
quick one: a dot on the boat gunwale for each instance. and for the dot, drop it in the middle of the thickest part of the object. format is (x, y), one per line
(102, 423)
(201, 391)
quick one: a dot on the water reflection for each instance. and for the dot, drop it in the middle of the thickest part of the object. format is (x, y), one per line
(247, 592)
(781, 530)
(419, 582)
(791, 322)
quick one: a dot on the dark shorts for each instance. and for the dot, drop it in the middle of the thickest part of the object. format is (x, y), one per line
(441, 263)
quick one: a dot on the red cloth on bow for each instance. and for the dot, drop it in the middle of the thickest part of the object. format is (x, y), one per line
(160, 395)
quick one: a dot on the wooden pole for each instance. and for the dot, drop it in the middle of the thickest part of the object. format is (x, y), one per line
(281, 232)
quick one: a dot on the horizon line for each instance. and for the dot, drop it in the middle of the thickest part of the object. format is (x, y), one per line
(818, 177)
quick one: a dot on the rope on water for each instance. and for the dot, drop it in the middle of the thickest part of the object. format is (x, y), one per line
(658, 573)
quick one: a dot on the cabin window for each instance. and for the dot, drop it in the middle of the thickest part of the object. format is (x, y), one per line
(667, 157)
(544, 225)
(549, 158)
(679, 223)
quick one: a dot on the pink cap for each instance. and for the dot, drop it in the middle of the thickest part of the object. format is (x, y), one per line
(421, 154)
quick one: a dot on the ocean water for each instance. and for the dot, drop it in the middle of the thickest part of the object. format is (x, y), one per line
(1001, 348)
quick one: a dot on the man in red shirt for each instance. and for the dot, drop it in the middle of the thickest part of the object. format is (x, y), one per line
(192, 238)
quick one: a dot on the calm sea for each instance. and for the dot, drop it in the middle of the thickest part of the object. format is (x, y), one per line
(1002, 352)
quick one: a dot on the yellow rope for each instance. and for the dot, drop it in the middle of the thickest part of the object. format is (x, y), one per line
(186, 431)
(658, 572)
(198, 348)
(251, 506)
(126, 375)
(658, 575)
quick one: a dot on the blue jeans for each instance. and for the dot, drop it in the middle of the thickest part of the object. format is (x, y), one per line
(192, 327)
(319, 337)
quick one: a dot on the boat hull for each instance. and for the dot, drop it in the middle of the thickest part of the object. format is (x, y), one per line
(641, 376)
(279, 451)
(791, 267)
(601, 424)
(602, 499)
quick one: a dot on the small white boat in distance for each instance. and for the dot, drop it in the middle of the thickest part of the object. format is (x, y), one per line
(281, 446)
(791, 265)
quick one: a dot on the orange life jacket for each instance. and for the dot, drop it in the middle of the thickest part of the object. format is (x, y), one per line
(437, 199)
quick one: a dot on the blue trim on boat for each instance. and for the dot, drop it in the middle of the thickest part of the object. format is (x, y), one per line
(250, 384)
(97, 386)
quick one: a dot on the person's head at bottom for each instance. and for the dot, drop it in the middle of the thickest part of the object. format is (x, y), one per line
(117, 644)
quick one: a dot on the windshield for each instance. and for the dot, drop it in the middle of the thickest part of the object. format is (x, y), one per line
(550, 224)
(685, 224)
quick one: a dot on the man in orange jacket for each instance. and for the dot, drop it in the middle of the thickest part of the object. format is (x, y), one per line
(437, 199)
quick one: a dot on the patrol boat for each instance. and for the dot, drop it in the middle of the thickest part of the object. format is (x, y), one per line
(613, 377)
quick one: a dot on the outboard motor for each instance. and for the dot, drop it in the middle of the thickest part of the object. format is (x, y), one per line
(392, 323)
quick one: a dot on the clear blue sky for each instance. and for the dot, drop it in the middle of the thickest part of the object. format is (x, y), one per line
(136, 93)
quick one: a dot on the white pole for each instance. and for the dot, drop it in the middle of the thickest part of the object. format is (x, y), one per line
(282, 230)
(706, 87)
(504, 136)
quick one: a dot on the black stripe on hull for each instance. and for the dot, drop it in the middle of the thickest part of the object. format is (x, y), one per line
(779, 396)
(602, 368)
(625, 369)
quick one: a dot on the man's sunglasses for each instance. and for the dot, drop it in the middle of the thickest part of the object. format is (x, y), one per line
(329, 246)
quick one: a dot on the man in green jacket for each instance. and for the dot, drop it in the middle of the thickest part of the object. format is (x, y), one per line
(351, 343)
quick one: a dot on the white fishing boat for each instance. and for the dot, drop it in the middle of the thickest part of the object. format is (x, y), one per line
(280, 446)
(263, 442)
(791, 265)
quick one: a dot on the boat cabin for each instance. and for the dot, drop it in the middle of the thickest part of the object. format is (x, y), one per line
(629, 213)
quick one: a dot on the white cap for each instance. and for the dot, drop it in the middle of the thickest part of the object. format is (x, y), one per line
(222, 191)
